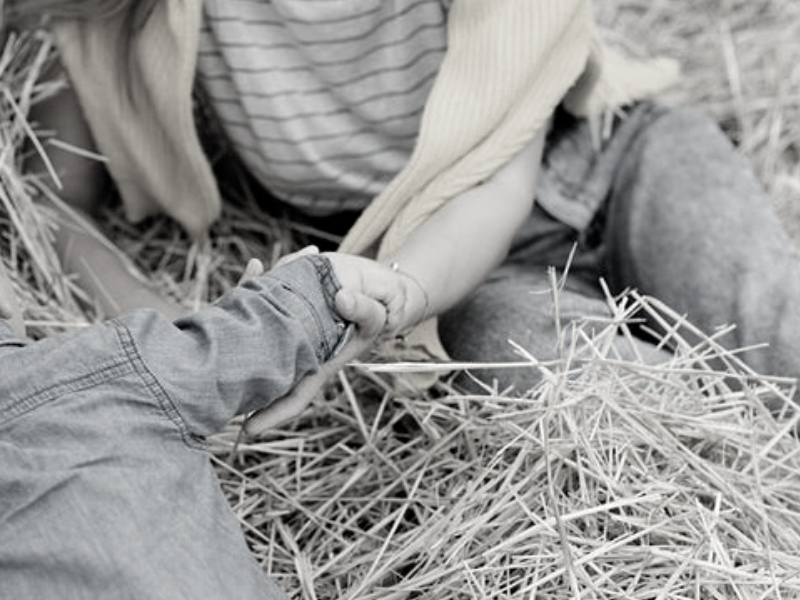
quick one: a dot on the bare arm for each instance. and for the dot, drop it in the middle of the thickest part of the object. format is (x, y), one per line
(100, 270)
(457, 247)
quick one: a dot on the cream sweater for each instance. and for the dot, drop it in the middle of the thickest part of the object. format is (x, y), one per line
(509, 63)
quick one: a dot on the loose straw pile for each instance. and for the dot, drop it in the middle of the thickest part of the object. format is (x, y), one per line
(607, 480)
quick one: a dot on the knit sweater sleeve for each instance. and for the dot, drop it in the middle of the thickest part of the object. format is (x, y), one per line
(509, 64)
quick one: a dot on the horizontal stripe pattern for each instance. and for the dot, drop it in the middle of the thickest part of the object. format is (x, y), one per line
(322, 98)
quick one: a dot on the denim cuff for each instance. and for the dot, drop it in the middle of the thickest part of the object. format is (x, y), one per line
(314, 282)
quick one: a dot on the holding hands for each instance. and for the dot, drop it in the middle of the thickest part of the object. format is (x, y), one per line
(376, 299)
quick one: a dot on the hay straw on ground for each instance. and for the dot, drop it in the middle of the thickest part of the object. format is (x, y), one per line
(610, 479)
(26, 226)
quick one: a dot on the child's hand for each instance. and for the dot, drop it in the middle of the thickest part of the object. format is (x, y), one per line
(372, 297)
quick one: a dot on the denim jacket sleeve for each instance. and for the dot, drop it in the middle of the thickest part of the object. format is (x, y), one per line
(245, 351)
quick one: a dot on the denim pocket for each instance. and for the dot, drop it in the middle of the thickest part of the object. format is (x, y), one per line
(578, 172)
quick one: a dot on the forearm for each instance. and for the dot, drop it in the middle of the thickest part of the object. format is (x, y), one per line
(454, 250)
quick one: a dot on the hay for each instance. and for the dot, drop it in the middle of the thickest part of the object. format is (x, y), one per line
(610, 479)
(741, 62)
(607, 480)
(26, 225)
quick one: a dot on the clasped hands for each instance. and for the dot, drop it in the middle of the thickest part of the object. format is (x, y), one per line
(380, 301)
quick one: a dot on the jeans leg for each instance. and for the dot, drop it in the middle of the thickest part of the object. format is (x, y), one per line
(516, 305)
(689, 223)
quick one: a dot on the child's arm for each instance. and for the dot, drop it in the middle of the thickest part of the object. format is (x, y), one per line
(457, 247)
(264, 336)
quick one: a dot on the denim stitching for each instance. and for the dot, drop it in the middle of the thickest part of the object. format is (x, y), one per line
(322, 350)
(32, 401)
(155, 388)
(330, 285)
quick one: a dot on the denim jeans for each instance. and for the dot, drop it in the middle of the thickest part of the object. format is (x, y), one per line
(106, 488)
(666, 206)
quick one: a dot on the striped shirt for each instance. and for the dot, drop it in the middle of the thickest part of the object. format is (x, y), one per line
(322, 99)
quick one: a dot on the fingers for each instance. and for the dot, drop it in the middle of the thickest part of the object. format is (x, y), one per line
(371, 281)
(265, 419)
(278, 412)
(366, 280)
(386, 290)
